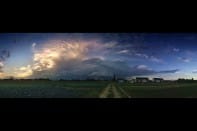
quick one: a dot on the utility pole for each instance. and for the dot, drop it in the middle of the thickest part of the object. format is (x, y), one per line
(114, 77)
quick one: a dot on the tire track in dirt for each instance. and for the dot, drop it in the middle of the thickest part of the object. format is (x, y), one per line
(105, 93)
(112, 91)
(116, 94)
(124, 92)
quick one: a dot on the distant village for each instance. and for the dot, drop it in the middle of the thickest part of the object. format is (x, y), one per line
(114, 78)
(155, 80)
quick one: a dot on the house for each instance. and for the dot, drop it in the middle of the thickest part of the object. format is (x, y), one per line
(157, 80)
(132, 81)
(141, 79)
(185, 80)
(120, 80)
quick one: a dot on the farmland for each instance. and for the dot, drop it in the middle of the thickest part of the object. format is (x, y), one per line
(50, 89)
(160, 90)
(95, 89)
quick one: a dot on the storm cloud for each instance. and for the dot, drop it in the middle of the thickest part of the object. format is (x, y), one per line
(169, 71)
(95, 68)
(4, 55)
(90, 68)
(61, 59)
(140, 70)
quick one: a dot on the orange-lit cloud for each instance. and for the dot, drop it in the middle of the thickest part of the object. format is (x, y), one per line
(23, 71)
(2, 75)
(46, 57)
(58, 51)
(53, 51)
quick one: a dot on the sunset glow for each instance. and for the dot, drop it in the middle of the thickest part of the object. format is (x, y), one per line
(84, 55)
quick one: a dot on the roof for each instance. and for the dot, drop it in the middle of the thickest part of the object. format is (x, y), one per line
(157, 78)
(142, 78)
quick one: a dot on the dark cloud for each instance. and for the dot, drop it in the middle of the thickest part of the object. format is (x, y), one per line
(1, 69)
(169, 71)
(4, 54)
(95, 68)
(139, 70)
(90, 68)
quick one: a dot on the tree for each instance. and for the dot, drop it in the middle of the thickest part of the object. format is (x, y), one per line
(11, 78)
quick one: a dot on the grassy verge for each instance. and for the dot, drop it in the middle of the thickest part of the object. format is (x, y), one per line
(161, 90)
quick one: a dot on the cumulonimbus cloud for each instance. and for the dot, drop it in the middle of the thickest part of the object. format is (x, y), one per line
(56, 54)
(60, 59)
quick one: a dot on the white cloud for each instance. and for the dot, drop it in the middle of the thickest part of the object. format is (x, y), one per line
(176, 49)
(143, 67)
(1, 64)
(194, 71)
(23, 71)
(142, 55)
(151, 58)
(110, 44)
(123, 52)
(187, 60)
(33, 46)
(46, 57)
(155, 59)
(60, 54)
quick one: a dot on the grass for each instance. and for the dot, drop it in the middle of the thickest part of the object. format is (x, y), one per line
(51, 89)
(160, 90)
(92, 89)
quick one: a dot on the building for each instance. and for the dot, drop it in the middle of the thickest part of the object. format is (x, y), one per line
(141, 79)
(186, 80)
(121, 80)
(158, 80)
(132, 80)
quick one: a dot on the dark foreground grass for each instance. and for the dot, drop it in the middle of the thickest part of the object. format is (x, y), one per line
(51, 89)
(92, 89)
(160, 90)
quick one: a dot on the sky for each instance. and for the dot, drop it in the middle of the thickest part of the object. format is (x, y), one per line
(98, 55)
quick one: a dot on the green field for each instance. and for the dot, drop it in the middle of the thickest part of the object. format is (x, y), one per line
(95, 89)
(160, 90)
(51, 89)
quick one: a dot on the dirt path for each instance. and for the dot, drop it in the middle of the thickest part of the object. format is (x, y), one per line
(105, 92)
(111, 91)
(124, 92)
(116, 94)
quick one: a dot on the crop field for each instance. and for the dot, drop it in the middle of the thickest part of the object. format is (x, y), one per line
(95, 89)
(160, 90)
(51, 89)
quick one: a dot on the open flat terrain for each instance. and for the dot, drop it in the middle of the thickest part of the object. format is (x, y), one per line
(160, 90)
(95, 89)
(50, 89)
